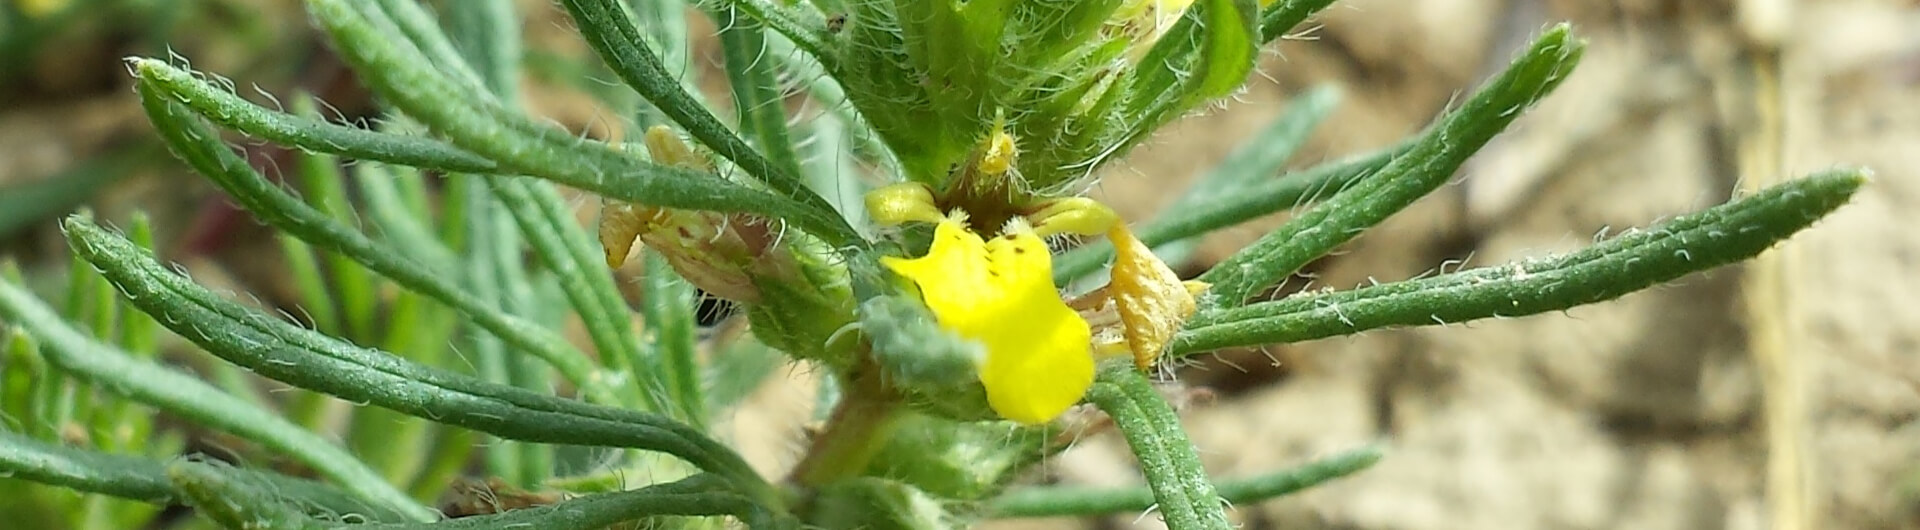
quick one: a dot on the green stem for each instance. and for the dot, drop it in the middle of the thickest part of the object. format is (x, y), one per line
(856, 431)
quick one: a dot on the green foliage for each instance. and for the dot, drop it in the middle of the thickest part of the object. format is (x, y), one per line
(1180, 485)
(431, 340)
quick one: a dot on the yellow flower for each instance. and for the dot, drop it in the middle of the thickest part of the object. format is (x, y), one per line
(1000, 294)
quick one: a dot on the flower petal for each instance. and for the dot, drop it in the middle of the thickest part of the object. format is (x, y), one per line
(1000, 293)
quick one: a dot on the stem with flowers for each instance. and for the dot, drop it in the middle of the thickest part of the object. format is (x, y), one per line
(965, 343)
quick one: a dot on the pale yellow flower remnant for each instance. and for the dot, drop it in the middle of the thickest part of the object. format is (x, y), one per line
(721, 253)
(621, 222)
(1152, 301)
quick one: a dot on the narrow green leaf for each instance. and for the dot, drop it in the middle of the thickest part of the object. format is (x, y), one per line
(1426, 166)
(831, 167)
(1179, 42)
(1281, 17)
(231, 111)
(316, 302)
(490, 227)
(1258, 158)
(614, 37)
(139, 334)
(307, 409)
(54, 405)
(1051, 35)
(1291, 190)
(523, 147)
(314, 361)
(1184, 69)
(879, 66)
(1060, 501)
(203, 150)
(401, 221)
(1228, 52)
(24, 372)
(186, 396)
(667, 308)
(126, 477)
(1265, 153)
(533, 463)
(387, 441)
(548, 223)
(955, 45)
(232, 501)
(486, 33)
(91, 304)
(120, 424)
(664, 22)
(417, 28)
(1185, 495)
(833, 99)
(98, 512)
(143, 479)
(758, 102)
(798, 22)
(90, 299)
(699, 495)
(322, 185)
(1717, 236)
(392, 444)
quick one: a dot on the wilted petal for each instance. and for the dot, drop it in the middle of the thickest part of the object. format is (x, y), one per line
(1152, 301)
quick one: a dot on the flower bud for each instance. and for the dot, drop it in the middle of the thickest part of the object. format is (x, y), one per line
(1073, 215)
(902, 202)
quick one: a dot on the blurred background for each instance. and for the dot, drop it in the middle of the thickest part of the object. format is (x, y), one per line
(1779, 394)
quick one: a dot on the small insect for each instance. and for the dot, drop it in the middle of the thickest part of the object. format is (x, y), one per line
(836, 23)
